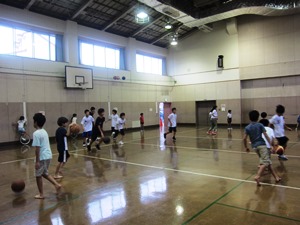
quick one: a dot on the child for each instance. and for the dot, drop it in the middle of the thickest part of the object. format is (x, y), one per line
(255, 130)
(92, 111)
(172, 124)
(278, 123)
(74, 119)
(213, 114)
(62, 145)
(21, 126)
(264, 118)
(270, 133)
(43, 155)
(87, 124)
(142, 121)
(98, 130)
(121, 126)
(298, 122)
(114, 119)
(229, 120)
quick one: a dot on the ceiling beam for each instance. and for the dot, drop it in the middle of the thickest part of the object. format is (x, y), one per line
(30, 4)
(145, 27)
(81, 8)
(111, 23)
(166, 33)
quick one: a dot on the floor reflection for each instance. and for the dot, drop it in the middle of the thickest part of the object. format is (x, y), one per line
(120, 157)
(174, 156)
(149, 188)
(107, 206)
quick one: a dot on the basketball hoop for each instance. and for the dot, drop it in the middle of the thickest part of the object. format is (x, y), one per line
(82, 85)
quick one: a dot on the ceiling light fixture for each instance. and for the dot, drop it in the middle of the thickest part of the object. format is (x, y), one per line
(142, 16)
(174, 39)
(168, 26)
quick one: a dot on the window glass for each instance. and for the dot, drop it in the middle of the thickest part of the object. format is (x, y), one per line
(148, 64)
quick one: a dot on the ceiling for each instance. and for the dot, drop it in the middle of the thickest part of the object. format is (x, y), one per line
(118, 16)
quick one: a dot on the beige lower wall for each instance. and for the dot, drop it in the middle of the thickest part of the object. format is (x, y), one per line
(268, 105)
(12, 111)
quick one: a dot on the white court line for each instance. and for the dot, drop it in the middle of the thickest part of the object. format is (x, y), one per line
(190, 172)
(231, 139)
(211, 149)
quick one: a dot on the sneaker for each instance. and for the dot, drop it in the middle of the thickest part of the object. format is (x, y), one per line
(165, 135)
(213, 133)
(208, 132)
(83, 145)
(98, 147)
(23, 139)
(57, 176)
(121, 142)
(88, 141)
(89, 148)
(282, 157)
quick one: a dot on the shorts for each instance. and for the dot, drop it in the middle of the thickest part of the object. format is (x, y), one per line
(172, 129)
(21, 130)
(63, 156)
(122, 132)
(282, 141)
(87, 134)
(113, 129)
(264, 155)
(229, 120)
(43, 169)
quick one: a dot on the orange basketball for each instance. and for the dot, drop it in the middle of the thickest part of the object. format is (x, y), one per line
(279, 150)
(75, 129)
(18, 186)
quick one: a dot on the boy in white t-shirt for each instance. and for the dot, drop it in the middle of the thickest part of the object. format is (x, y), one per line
(277, 121)
(229, 120)
(114, 119)
(121, 126)
(172, 124)
(87, 124)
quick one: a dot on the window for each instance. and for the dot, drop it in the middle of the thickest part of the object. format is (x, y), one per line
(100, 55)
(149, 64)
(27, 43)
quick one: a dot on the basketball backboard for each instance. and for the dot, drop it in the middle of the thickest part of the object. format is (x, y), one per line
(78, 77)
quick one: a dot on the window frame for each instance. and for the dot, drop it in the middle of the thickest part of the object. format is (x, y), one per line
(152, 56)
(33, 31)
(105, 46)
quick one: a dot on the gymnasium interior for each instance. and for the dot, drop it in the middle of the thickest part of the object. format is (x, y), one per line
(59, 57)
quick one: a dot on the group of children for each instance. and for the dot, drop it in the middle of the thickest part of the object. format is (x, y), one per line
(92, 131)
(264, 140)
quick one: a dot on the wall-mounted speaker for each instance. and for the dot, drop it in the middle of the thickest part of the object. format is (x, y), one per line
(220, 61)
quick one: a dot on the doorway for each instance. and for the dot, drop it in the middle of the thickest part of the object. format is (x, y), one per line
(202, 110)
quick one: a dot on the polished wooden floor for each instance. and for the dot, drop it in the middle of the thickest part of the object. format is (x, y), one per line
(200, 179)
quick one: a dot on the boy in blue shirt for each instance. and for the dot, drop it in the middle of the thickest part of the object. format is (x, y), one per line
(43, 155)
(255, 130)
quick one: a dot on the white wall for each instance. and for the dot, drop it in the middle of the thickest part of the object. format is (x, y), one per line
(194, 59)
